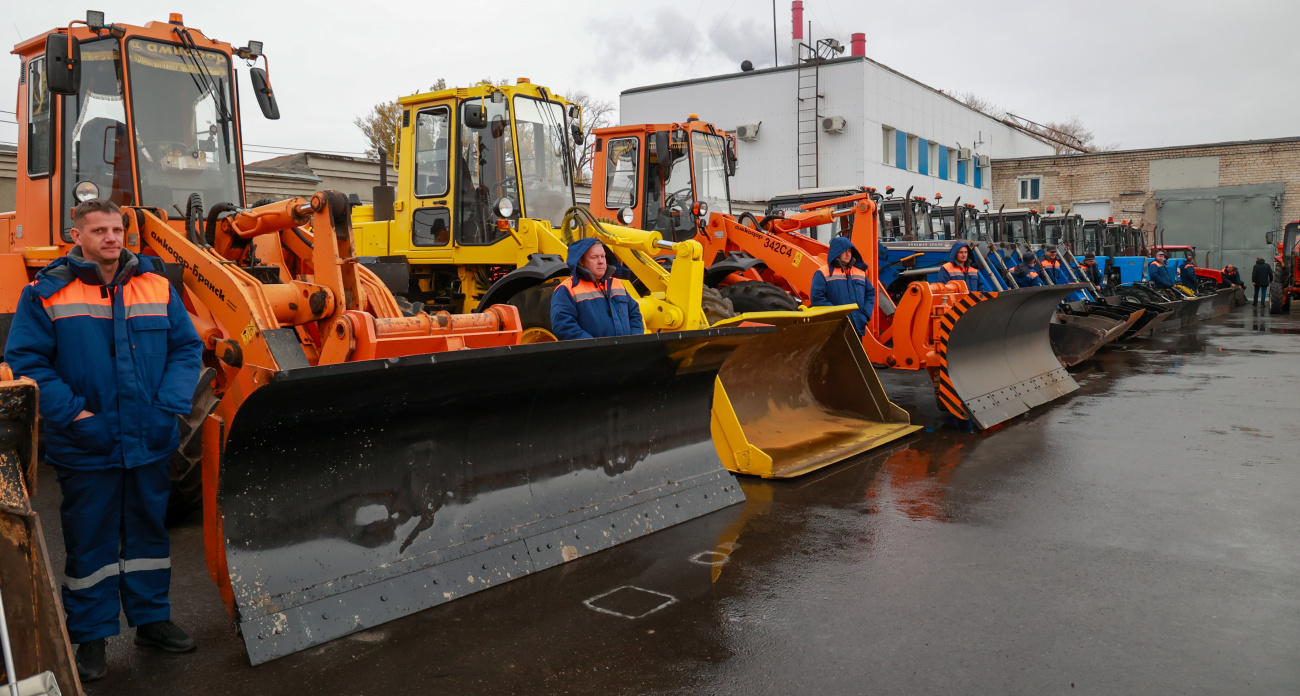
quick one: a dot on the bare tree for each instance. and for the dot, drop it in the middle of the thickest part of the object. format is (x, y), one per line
(380, 128)
(596, 113)
(1074, 130)
(978, 103)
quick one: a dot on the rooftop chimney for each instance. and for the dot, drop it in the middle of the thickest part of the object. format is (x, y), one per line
(796, 11)
(859, 44)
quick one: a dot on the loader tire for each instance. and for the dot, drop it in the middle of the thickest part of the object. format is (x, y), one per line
(186, 466)
(757, 296)
(534, 306)
(716, 307)
(1276, 298)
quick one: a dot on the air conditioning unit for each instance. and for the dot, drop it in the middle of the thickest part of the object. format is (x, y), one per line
(833, 124)
(748, 132)
(982, 161)
(963, 154)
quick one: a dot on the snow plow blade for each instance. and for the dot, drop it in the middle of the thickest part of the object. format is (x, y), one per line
(1079, 336)
(801, 398)
(358, 493)
(32, 606)
(995, 354)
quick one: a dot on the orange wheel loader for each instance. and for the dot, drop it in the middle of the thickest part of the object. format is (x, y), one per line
(988, 354)
(355, 462)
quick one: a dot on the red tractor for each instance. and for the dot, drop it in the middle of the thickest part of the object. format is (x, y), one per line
(1286, 271)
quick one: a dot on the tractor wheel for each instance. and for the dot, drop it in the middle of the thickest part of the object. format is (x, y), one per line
(716, 307)
(186, 466)
(1276, 297)
(535, 311)
(757, 296)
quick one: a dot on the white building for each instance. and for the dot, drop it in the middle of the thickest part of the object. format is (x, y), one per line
(872, 126)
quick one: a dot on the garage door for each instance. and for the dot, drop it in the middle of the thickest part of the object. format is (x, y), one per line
(1091, 211)
(1226, 222)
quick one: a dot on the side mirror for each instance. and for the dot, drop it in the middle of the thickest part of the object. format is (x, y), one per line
(577, 134)
(731, 156)
(62, 63)
(265, 97)
(475, 116)
(663, 153)
(1268, 238)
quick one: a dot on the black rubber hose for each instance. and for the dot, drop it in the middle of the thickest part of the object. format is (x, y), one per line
(210, 231)
(193, 213)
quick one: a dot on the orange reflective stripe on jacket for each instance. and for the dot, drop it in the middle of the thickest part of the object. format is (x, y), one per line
(143, 295)
(583, 290)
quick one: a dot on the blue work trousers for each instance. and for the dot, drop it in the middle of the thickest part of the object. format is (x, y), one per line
(118, 549)
(1261, 294)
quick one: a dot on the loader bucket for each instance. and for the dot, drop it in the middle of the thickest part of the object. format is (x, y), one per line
(1078, 336)
(995, 354)
(358, 493)
(801, 398)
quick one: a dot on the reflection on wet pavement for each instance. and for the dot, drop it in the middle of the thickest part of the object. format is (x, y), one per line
(1141, 535)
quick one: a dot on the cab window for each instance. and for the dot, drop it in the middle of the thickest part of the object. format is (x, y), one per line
(431, 151)
(39, 134)
(620, 173)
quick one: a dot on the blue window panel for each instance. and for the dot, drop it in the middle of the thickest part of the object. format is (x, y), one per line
(961, 172)
(900, 150)
(923, 156)
(977, 176)
(943, 162)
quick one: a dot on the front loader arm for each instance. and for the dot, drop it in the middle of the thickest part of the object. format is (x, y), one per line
(787, 260)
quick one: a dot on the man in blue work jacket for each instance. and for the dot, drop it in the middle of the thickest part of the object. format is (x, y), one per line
(1054, 266)
(1158, 273)
(845, 282)
(591, 302)
(1187, 274)
(1090, 270)
(961, 267)
(110, 345)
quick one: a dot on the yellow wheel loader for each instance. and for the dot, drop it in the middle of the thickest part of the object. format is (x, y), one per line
(483, 214)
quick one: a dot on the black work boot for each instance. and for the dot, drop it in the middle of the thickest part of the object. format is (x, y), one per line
(165, 635)
(90, 660)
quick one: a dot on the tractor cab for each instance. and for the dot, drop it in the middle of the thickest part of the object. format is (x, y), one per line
(142, 116)
(665, 178)
(1061, 229)
(1017, 227)
(1092, 237)
(905, 218)
(472, 165)
(950, 222)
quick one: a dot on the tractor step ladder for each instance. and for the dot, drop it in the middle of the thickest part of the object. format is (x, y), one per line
(808, 113)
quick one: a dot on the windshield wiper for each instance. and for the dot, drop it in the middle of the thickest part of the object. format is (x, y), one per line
(209, 84)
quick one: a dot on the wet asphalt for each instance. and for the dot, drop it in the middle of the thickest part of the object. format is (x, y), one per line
(1141, 535)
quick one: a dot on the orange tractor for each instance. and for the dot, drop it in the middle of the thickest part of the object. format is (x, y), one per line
(355, 462)
(989, 354)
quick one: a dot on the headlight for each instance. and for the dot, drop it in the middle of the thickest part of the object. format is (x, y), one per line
(85, 191)
(701, 209)
(625, 215)
(504, 208)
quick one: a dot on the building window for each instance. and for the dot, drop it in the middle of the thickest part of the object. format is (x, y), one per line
(942, 153)
(900, 150)
(1030, 188)
(923, 156)
(913, 146)
(889, 149)
(961, 170)
(978, 172)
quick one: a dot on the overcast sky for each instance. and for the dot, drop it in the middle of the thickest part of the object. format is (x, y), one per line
(1140, 74)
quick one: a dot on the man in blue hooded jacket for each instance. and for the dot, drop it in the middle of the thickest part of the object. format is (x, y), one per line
(960, 267)
(111, 347)
(1187, 274)
(844, 281)
(591, 302)
(1158, 273)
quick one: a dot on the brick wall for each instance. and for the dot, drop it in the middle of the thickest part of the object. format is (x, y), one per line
(1122, 177)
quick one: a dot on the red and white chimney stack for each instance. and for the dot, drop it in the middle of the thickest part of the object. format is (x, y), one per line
(858, 44)
(796, 12)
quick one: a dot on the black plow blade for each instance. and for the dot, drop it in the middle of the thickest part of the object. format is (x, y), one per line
(355, 494)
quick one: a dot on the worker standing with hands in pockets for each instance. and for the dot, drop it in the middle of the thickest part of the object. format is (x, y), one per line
(111, 346)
